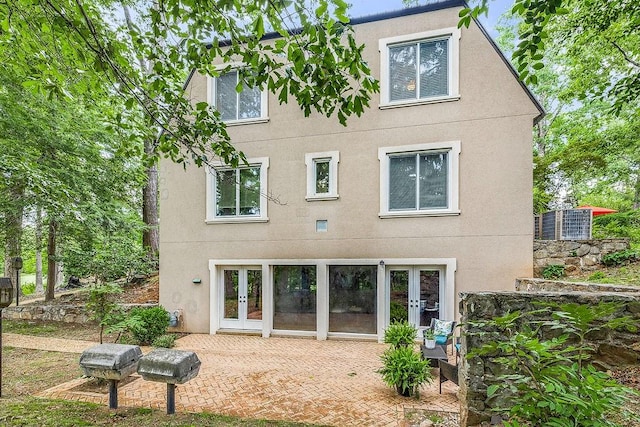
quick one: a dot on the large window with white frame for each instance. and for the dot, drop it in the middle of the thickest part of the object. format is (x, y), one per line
(248, 105)
(419, 179)
(322, 175)
(238, 194)
(419, 68)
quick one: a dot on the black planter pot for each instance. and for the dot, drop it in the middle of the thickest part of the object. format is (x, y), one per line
(406, 393)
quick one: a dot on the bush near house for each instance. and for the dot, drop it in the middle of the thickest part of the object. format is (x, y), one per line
(154, 322)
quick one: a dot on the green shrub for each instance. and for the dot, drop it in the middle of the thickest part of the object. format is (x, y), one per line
(154, 322)
(598, 275)
(398, 312)
(102, 306)
(553, 271)
(400, 334)
(28, 288)
(550, 382)
(618, 225)
(165, 341)
(405, 370)
(620, 258)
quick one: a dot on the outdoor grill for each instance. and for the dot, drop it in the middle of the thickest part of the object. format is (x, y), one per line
(171, 367)
(112, 362)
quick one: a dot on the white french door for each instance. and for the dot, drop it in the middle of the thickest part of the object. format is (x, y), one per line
(241, 297)
(415, 294)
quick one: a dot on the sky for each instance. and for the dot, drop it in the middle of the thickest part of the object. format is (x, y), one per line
(368, 7)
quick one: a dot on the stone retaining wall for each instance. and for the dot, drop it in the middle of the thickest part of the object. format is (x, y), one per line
(56, 312)
(544, 285)
(575, 255)
(613, 348)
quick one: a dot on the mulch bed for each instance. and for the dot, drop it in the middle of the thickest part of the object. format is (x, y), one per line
(629, 376)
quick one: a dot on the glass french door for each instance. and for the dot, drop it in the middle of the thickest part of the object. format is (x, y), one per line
(414, 295)
(241, 298)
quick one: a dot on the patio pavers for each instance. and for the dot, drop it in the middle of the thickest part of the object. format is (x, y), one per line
(323, 382)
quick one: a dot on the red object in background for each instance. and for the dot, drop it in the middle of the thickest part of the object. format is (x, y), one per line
(595, 210)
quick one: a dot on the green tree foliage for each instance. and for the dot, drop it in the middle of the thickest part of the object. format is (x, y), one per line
(585, 149)
(589, 31)
(315, 61)
(60, 156)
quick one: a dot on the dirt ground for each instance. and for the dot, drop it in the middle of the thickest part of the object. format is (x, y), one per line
(143, 292)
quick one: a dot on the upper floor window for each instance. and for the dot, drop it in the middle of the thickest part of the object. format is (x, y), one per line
(248, 105)
(238, 194)
(322, 175)
(419, 68)
(419, 179)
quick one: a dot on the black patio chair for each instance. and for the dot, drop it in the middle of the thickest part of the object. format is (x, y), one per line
(448, 372)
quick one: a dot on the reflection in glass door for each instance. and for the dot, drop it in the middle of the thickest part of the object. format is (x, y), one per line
(414, 295)
(241, 298)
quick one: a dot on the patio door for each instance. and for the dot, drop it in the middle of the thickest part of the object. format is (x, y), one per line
(415, 294)
(241, 298)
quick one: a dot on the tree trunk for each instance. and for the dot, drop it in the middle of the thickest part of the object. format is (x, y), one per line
(51, 261)
(13, 232)
(636, 194)
(39, 285)
(150, 235)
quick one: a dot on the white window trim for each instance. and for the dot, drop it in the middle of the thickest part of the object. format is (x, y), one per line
(264, 96)
(211, 217)
(310, 161)
(453, 34)
(453, 147)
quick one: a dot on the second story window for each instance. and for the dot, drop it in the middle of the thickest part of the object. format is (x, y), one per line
(419, 68)
(322, 175)
(419, 180)
(247, 105)
(238, 194)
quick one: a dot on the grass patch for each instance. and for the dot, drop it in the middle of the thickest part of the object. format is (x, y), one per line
(25, 371)
(32, 411)
(52, 329)
(625, 275)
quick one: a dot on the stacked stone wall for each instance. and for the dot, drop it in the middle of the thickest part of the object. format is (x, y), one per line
(56, 312)
(576, 255)
(612, 348)
(544, 285)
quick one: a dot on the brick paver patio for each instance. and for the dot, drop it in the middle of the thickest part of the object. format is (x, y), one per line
(324, 382)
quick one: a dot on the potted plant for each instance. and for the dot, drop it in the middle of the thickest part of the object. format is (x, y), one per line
(429, 338)
(404, 370)
(400, 334)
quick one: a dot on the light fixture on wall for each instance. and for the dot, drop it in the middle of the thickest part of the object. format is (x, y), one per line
(197, 281)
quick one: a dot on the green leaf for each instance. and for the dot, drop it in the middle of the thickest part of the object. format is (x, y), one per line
(491, 390)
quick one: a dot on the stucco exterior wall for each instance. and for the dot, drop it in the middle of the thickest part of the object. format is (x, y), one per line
(490, 239)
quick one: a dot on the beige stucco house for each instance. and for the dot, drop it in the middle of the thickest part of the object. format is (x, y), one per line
(333, 231)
